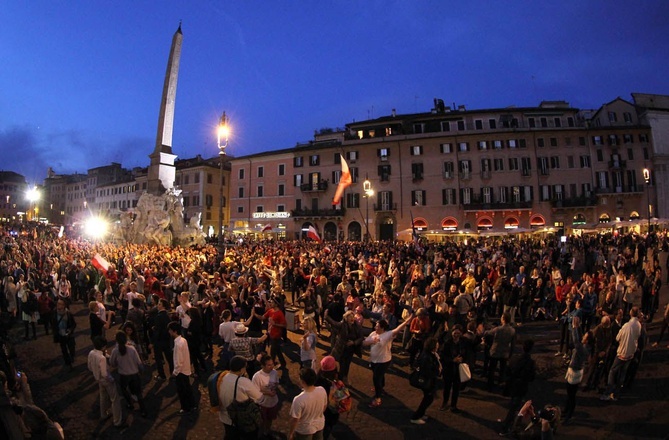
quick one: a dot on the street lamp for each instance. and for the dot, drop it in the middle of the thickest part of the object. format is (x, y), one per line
(369, 192)
(33, 196)
(646, 177)
(223, 133)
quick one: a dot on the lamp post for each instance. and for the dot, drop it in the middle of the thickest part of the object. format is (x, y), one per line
(369, 192)
(33, 196)
(223, 133)
(646, 177)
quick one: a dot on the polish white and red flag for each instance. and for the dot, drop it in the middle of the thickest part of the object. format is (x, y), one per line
(313, 234)
(100, 263)
(267, 228)
(344, 181)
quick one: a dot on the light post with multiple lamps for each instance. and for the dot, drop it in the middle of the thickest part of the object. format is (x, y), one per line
(223, 133)
(646, 177)
(369, 192)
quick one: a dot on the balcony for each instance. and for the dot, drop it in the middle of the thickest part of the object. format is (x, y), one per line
(477, 205)
(385, 207)
(575, 202)
(317, 213)
(314, 187)
(617, 164)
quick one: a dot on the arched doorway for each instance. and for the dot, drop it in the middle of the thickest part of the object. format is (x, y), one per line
(330, 231)
(305, 228)
(484, 224)
(511, 223)
(420, 224)
(634, 215)
(604, 218)
(579, 220)
(387, 229)
(449, 224)
(537, 221)
(354, 231)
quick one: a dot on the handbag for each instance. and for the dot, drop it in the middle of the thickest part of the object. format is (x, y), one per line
(465, 372)
(574, 377)
(416, 380)
(244, 415)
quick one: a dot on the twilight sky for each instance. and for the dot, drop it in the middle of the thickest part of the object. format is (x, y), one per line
(81, 81)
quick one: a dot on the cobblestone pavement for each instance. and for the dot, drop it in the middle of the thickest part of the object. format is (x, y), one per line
(70, 397)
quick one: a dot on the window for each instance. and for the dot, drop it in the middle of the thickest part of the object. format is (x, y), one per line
(281, 190)
(281, 208)
(261, 191)
(240, 194)
(417, 171)
(354, 174)
(240, 209)
(570, 161)
(418, 198)
(418, 128)
(542, 165)
(503, 194)
(531, 122)
(600, 156)
(463, 146)
(483, 145)
(602, 179)
(383, 153)
(544, 122)
(570, 121)
(515, 194)
(526, 166)
(581, 141)
(630, 154)
(485, 168)
(544, 192)
(645, 154)
(492, 124)
(297, 180)
(448, 196)
(512, 143)
(352, 156)
(553, 142)
(558, 190)
(445, 126)
(298, 162)
(557, 122)
(465, 168)
(466, 196)
(261, 171)
(384, 173)
(513, 164)
(643, 138)
(613, 117)
(314, 160)
(497, 145)
(416, 150)
(555, 162)
(196, 178)
(352, 200)
(446, 148)
(585, 161)
(540, 142)
(385, 199)
(282, 169)
(461, 125)
(597, 140)
(627, 116)
(613, 139)
(486, 194)
(627, 138)
(587, 189)
(448, 170)
(259, 208)
(186, 179)
(210, 178)
(478, 124)
(498, 164)
(241, 174)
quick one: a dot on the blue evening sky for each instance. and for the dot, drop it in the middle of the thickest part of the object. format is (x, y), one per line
(81, 81)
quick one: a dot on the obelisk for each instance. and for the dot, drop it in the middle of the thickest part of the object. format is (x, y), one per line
(162, 172)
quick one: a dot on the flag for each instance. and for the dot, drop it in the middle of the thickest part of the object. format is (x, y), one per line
(60, 232)
(100, 263)
(414, 235)
(267, 228)
(344, 181)
(311, 233)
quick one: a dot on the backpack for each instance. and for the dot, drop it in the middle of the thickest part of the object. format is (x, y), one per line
(32, 304)
(213, 384)
(339, 398)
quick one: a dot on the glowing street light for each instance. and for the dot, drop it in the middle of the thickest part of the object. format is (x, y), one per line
(33, 195)
(646, 177)
(96, 228)
(223, 134)
(369, 192)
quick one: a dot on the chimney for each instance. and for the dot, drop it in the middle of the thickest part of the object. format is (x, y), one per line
(394, 113)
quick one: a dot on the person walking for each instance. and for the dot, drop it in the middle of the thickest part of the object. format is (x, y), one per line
(380, 342)
(182, 370)
(628, 339)
(347, 343)
(429, 366)
(63, 324)
(267, 380)
(521, 372)
(306, 411)
(98, 364)
(574, 376)
(236, 386)
(503, 339)
(276, 324)
(126, 360)
(453, 351)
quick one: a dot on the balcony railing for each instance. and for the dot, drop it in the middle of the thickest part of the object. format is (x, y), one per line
(313, 187)
(574, 202)
(318, 212)
(619, 189)
(477, 205)
(385, 207)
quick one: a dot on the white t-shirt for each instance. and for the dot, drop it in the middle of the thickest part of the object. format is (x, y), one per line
(309, 355)
(183, 316)
(308, 408)
(265, 380)
(227, 330)
(380, 352)
(245, 390)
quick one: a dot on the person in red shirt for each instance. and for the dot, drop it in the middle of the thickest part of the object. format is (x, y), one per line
(276, 323)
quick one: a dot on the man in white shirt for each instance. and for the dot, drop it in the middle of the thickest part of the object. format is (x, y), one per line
(306, 412)
(628, 340)
(182, 308)
(246, 389)
(97, 364)
(182, 370)
(380, 342)
(227, 328)
(267, 380)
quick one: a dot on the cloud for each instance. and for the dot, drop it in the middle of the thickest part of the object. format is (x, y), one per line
(20, 148)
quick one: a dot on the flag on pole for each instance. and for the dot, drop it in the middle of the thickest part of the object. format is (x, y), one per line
(344, 181)
(267, 228)
(100, 263)
(311, 233)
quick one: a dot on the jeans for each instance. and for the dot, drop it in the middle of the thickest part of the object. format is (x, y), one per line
(428, 398)
(379, 377)
(617, 375)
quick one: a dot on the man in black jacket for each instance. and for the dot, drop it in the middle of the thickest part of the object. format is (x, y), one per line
(520, 373)
(162, 340)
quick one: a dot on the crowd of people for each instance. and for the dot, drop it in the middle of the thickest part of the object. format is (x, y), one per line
(445, 305)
